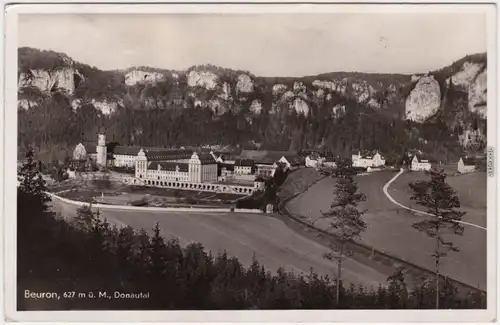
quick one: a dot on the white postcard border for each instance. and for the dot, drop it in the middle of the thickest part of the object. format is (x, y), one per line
(10, 146)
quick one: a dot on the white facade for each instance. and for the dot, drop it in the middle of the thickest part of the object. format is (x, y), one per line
(197, 172)
(101, 151)
(242, 170)
(265, 170)
(311, 162)
(167, 175)
(258, 185)
(194, 169)
(463, 168)
(367, 161)
(330, 164)
(124, 160)
(285, 161)
(141, 165)
(421, 165)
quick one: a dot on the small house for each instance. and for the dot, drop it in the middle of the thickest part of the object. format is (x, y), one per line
(292, 161)
(420, 163)
(243, 167)
(466, 165)
(368, 159)
(312, 160)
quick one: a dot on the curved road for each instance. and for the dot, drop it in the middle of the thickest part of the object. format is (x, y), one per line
(386, 192)
(389, 227)
(241, 235)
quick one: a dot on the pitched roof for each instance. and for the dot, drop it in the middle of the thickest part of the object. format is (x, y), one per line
(206, 159)
(469, 161)
(90, 147)
(229, 167)
(422, 158)
(244, 162)
(265, 156)
(166, 154)
(313, 155)
(369, 154)
(126, 150)
(294, 159)
(169, 166)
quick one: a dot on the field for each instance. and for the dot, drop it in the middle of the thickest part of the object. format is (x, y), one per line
(241, 235)
(390, 227)
(470, 188)
(298, 181)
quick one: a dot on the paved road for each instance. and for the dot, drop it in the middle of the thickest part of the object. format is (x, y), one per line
(386, 192)
(390, 229)
(241, 235)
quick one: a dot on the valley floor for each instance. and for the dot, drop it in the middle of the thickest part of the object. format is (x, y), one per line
(242, 235)
(390, 227)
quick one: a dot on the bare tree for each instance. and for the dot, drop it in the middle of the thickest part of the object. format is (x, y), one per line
(441, 202)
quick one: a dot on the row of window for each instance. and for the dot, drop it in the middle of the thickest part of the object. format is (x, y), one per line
(205, 187)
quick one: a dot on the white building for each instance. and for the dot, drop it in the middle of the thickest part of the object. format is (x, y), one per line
(243, 167)
(291, 161)
(329, 162)
(420, 164)
(169, 168)
(102, 153)
(466, 165)
(311, 162)
(368, 160)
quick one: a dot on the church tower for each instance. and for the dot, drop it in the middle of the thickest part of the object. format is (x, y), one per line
(101, 150)
(194, 169)
(141, 165)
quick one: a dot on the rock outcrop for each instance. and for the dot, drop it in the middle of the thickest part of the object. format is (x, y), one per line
(478, 95)
(472, 78)
(256, 107)
(300, 106)
(424, 100)
(279, 89)
(244, 84)
(62, 79)
(143, 77)
(204, 79)
(105, 107)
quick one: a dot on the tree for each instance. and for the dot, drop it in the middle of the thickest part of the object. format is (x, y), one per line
(397, 289)
(32, 188)
(86, 219)
(441, 203)
(345, 218)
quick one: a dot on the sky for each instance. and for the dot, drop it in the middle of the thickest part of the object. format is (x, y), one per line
(287, 45)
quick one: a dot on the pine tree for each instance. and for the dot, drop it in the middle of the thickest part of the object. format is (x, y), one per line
(85, 220)
(397, 289)
(345, 218)
(441, 203)
(32, 188)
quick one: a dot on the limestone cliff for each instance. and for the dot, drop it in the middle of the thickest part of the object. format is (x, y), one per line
(61, 79)
(418, 97)
(142, 77)
(424, 99)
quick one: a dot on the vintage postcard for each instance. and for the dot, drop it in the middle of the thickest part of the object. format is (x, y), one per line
(257, 162)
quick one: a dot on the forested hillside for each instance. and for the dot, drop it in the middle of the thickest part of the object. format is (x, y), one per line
(63, 102)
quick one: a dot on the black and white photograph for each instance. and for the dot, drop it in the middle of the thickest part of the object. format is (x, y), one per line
(328, 159)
